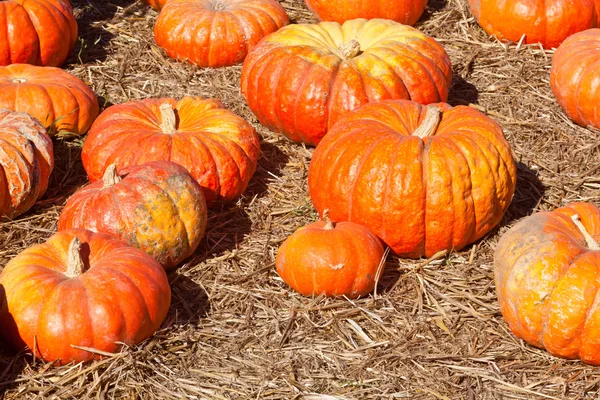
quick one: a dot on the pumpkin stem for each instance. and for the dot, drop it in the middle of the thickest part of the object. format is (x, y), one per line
(328, 223)
(430, 123)
(591, 242)
(110, 178)
(350, 49)
(218, 6)
(74, 262)
(169, 120)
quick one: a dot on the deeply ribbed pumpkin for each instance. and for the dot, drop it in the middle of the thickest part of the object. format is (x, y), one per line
(547, 270)
(38, 32)
(404, 11)
(219, 148)
(422, 178)
(216, 33)
(82, 289)
(58, 99)
(157, 207)
(26, 161)
(302, 79)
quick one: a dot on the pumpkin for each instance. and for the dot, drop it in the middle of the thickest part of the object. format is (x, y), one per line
(38, 32)
(155, 4)
(216, 33)
(157, 207)
(404, 11)
(422, 178)
(548, 22)
(302, 79)
(82, 290)
(216, 146)
(341, 259)
(546, 272)
(26, 161)
(61, 101)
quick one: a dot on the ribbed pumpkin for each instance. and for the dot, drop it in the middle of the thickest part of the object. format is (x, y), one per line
(422, 178)
(26, 161)
(547, 270)
(216, 146)
(82, 289)
(38, 32)
(339, 259)
(58, 99)
(157, 207)
(302, 79)
(404, 11)
(216, 33)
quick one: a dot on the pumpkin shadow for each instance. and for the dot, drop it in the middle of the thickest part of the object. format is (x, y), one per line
(11, 363)
(189, 301)
(528, 195)
(271, 163)
(462, 93)
(433, 6)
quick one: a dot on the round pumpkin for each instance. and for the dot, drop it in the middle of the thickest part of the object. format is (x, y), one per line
(155, 4)
(157, 207)
(216, 33)
(38, 32)
(61, 101)
(219, 148)
(26, 161)
(546, 271)
(302, 79)
(340, 259)
(81, 290)
(422, 178)
(404, 11)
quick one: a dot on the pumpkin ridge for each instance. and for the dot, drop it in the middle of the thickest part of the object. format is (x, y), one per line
(298, 104)
(391, 68)
(225, 154)
(585, 70)
(199, 142)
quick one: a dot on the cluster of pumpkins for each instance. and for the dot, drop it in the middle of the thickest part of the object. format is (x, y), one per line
(394, 164)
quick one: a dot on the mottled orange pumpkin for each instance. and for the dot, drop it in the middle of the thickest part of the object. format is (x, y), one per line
(157, 207)
(219, 148)
(302, 79)
(81, 290)
(340, 259)
(547, 270)
(404, 11)
(216, 33)
(26, 161)
(422, 178)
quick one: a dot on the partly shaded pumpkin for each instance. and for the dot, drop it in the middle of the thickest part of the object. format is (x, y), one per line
(156, 4)
(404, 11)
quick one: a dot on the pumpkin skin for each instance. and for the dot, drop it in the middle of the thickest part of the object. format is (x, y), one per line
(61, 101)
(300, 80)
(218, 148)
(155, 4)
(26, 162)
(216, 33)
(422, 185)
(335, 260)
(123, 295)
(546, 273)
(157, 207)
(38, 32)
(403, 11)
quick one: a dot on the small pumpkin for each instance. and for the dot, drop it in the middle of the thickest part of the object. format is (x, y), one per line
(155, 4)
(340, 259)
(218, 148)
(403, 11)
(216, 33)
(422, 178)
(82, 290)
(547, 272)
(26, 161)
(157, 207)
(300, 80)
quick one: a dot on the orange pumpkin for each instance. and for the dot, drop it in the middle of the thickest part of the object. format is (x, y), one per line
(26, 161)
(155, 4)
(82, 290)
(340, 259)
(404, 11)
(422, 178)
(216, 146)
(216, 33)
(302, 79)
(157, 207)
(546, 271)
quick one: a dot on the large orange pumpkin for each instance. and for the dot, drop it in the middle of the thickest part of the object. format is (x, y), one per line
(157, 207)
(61, 101)
(26, 161)
(422, 178)
(216, 33)
(302, 79)
(547, 278)
(38, 32)
(404, 11)
(82, 290)
(219, 148)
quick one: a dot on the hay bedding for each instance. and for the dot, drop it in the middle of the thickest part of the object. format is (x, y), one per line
(433, 330)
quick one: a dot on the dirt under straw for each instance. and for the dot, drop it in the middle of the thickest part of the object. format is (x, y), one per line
(236, 331)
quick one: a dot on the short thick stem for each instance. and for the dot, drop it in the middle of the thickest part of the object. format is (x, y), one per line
(111, 178)
(591, 242)
(75, 264)
(218, 6)
(430, 124)
(169, 120)
(328, 223)
(350, 49)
